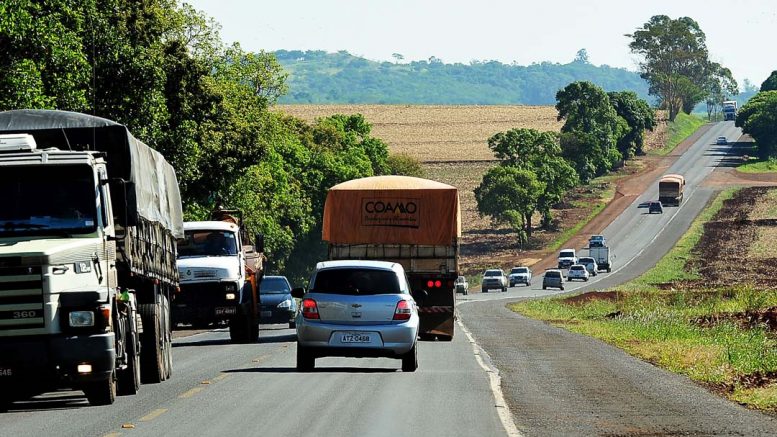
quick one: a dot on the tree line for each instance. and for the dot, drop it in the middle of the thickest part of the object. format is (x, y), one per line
(536, 169)
(758, 117)
(161, 69)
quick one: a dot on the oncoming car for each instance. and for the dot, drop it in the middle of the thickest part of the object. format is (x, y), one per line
(520, 275)
(721, 141)
(357, 309)
(276, 303)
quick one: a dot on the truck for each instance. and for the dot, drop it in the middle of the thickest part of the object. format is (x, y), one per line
(411, 221)
(88, 227)
(729, 109)
(602, 256)
(670, 189)
(220, 271)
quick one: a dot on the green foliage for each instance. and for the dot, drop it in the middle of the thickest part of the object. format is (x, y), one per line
(639, 117)
(320, 77)
(509, 195)
(759, 166)
(770, 84)
(759, 119)
(591, 129)
(404, 165)
(677, 65)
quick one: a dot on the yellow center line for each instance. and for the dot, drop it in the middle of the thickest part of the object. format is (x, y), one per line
(191, 392)
(222, 376)
(153, 415)
(113, 434)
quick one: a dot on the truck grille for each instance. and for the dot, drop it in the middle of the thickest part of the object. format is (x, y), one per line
(208, 294)
(21, 297)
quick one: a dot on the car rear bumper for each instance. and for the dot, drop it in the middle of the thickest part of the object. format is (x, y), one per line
(389, 340)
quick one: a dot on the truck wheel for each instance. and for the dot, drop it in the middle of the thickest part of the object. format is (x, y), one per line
(410, 360)
(129, 378)
(238, 330)
(167, 334)
(305, 361)
(152, 357)
(101, 392)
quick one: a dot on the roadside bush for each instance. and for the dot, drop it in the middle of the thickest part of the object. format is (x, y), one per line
(404, 165)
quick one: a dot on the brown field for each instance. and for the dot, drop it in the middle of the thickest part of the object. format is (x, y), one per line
(438, 133)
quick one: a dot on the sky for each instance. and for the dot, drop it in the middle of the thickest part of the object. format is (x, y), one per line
(741, 34)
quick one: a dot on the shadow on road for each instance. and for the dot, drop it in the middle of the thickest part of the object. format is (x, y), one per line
(285, 338)
(67, 401)
(316, 370)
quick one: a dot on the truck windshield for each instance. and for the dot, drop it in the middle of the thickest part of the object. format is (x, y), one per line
(47, 200)
(207, 243)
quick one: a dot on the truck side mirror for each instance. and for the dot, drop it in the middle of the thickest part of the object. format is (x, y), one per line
(297, 292)
(259, 246)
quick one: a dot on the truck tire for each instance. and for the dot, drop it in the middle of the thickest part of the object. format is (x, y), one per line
(167, 334)
(129, 378)
(410, 360)
(152, 357)
(305, 361)
(101, 392)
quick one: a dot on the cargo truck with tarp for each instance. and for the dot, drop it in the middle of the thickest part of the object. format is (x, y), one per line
(88, 229)
(670, 189)
(411, 221)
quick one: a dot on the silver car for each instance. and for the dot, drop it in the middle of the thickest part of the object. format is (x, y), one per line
(357, 309)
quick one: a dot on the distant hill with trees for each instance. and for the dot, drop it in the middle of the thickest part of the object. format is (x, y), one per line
(321, 77)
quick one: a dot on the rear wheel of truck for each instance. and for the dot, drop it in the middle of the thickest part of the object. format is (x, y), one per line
(305, 360)
(129, 378)
(410, 360)
(167, 334)
(101, 392)
(152, 357)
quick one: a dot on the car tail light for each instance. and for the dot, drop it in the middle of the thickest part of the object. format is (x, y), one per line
(403, 311)
(309, 309)
(438, 283)
(430, 283)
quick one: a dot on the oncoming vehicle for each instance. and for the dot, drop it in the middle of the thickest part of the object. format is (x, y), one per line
(577, 271)
(553, 278)
(461, 285)
(520, 275)
(493, 278)
(596, 241)
(275, 302)
(357, 308)
(590, 265)
(721, 141)
(566, 257)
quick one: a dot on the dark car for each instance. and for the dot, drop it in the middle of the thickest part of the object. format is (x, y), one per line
(275, 302)
(656, 207)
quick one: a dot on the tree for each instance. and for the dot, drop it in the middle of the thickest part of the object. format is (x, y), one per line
(397, 57)
(591, 129)
(509, 195)
(770, 84)
(638, 115)
(758, 117)
(582, 57)
(676, 61)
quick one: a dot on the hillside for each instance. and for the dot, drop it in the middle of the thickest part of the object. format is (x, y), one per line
(321, 77)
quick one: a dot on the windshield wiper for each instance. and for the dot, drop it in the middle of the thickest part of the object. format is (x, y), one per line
(20, 225)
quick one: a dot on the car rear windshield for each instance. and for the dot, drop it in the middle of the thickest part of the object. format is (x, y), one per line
(552, 274)
(576, 268)
(520, 270)
(355, 281)
(586, 260)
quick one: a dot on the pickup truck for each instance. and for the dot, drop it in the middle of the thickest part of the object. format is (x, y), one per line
(566, 258)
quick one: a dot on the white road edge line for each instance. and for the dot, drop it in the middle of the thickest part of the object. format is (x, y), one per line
(502, 409)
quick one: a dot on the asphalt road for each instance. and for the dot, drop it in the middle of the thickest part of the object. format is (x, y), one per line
(559, 383)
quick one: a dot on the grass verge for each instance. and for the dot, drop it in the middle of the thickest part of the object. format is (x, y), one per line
(601, 203)
(759, 166)
(706, 334)
(682, 127)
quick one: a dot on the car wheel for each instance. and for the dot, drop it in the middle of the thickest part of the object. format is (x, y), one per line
(305, 360)
(292, 324)
(504, 289)
(410, 360)
(562, 287)
(585, 279)
(544, 287)
(485, 290)
(465, 292)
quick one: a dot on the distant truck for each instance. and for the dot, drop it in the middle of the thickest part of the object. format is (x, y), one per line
(411, 221)
(602, 256)
(220, 273)
(88, 225)
(670, 189)
(729, 109)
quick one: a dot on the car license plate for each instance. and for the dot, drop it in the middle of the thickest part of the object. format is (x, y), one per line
(6, 371)
(226, 311)
(266, 314)
(355, 337)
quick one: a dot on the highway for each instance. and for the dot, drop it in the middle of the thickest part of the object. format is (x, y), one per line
(552, 381)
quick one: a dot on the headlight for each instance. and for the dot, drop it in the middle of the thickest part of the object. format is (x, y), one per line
(230, 287)
(81, 318)
(83, 266)
(285, 304)
(230, 296)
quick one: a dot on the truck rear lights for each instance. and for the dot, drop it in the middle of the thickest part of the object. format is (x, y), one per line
(309, 309)
(403, 311)
(438, 283)
(78, 319)
(434, 284)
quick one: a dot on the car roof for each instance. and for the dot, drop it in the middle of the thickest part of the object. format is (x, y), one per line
(364, 264)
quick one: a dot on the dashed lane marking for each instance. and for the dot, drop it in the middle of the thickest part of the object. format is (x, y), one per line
(153, 415)
(190, 393)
